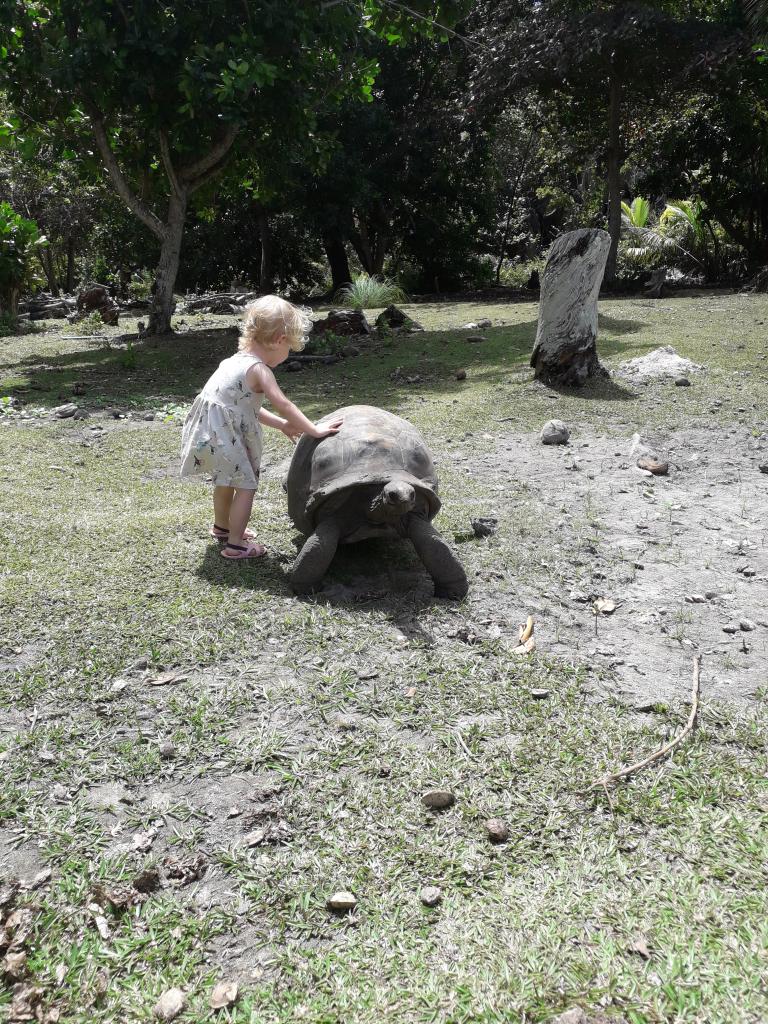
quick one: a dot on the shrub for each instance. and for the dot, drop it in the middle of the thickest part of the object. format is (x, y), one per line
(19, 238)
(369, 292)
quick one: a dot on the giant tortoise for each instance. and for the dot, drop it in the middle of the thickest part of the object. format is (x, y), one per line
(374, 478)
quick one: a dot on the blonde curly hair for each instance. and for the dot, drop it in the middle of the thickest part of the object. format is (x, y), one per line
(268, 317)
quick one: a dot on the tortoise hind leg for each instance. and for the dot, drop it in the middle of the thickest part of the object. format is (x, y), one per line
(315, 557)
(438, 558)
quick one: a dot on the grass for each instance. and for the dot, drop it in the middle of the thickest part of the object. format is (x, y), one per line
(107, 568)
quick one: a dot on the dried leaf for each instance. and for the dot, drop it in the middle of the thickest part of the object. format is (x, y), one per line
(60, 974)
(102, 926)
(142, 841)
(224, 995)
(526, 629)
(101, 982)
(23, 1005)
(639, 945)
(174, 676)
(526, 648)
(15, 965)
(40, 879)
(170, 1004)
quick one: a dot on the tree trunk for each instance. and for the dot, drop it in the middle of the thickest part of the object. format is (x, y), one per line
(565, 352)
(266, 276)
(614, 168)
(168, 267)
(70, 280)
(337, 261)
(46, 262)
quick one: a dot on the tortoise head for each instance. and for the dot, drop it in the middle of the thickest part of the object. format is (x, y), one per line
(396, 498)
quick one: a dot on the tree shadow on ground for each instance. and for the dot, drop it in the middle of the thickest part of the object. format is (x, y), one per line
(617, 326)
(172, 369)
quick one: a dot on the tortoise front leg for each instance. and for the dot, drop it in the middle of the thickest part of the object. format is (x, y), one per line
(440, 561)
(315, 557)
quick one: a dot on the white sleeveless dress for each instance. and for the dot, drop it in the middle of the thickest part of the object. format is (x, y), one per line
(222, 436)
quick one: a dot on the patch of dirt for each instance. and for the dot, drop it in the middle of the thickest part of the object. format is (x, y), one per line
(662, 363)
(682, 556)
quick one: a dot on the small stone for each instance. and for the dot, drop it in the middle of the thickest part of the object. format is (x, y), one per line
(170, 1004)
(653, 466)
(763, 468)
(484, 526)
(749, 571)
(224, 995)
(682, 382)
(63, 412)
(539, 694)
(140, 664)
(350, 351)
(497, 830)
(555, 432)
(148, 416)
(573, 1016)
(80, 414)
(747, 625)
(695, 599)
(731, 628)
(461, 375)
(438, 799)
(475, 339)
(167, 751)
(341, 902)
(484, 323)
(431, 895)
(59, 792)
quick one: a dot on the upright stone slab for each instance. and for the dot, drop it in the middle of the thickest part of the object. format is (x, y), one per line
(565, 351)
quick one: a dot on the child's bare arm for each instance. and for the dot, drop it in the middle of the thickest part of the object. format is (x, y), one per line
(270, 420)
(261, 378)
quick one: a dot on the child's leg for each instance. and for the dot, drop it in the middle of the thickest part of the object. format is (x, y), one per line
(222, 503)
(239, 514)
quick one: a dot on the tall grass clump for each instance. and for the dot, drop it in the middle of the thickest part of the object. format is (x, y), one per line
(369, 292)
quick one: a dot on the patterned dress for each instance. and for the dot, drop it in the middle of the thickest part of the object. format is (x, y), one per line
(222, 436)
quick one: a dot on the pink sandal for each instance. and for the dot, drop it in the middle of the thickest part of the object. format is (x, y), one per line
(237, 551)
(220, 533)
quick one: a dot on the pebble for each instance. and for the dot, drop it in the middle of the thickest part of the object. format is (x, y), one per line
(63, 412)
(682, 382)
(731, 628)
(497, 830)
(653, 466)
(431, 895)
(167, 751)
(461, 375)
(747, 625)
(555, 432)
(476, 338)
(438, 799)
(695, 599)
(170, 1004)
(484, 526)
(341, 902)
(540, 694)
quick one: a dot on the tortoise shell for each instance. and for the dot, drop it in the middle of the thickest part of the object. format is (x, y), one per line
(372, 447)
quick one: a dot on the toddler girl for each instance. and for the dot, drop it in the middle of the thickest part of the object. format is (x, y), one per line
(222, 432)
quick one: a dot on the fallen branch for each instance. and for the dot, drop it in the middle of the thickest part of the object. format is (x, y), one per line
(613, 777)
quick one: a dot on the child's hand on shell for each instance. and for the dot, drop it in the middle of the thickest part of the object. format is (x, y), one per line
(330, 428)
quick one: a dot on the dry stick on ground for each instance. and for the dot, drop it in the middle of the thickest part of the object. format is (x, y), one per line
(613, 777)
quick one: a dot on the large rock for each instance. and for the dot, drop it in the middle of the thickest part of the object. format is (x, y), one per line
(342, 322)
(566, 351)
